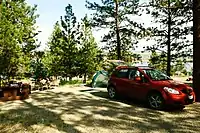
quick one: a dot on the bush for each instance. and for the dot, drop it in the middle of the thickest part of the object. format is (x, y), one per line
(72, 82)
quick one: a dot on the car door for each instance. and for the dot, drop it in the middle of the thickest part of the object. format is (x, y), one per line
(121, 81)
(137, 88)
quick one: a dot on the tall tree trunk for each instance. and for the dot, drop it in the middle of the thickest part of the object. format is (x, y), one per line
(70, 78)
(196, 48)
(85, 77)
(117, 30)
(169, 41)
(0, 81)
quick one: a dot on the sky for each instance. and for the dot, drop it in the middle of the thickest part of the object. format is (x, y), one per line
(51, 10)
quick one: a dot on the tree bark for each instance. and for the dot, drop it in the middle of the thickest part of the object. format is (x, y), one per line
(0, 81)
(117, 30)
(70, 78)
(85, 77)
(196, 48)
(169, 41)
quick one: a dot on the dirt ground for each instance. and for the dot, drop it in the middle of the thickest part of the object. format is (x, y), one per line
(86, 110)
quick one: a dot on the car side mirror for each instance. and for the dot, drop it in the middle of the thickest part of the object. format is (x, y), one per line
(138, 79)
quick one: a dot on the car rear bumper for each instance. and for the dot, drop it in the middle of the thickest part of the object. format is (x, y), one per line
(182, 99)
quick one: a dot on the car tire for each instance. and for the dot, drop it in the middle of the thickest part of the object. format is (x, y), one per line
(156, 101)
(112, 92)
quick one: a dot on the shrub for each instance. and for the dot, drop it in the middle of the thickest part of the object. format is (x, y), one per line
(72, 82)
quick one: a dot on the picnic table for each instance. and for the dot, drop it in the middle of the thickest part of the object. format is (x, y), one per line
(14, 91)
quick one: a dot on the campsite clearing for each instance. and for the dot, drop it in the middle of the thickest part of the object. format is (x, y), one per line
(85, 110)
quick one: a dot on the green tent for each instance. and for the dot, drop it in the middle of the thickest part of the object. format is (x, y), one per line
(100, 79)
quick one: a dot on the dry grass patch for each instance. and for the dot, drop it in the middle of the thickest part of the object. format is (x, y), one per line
(86, 110)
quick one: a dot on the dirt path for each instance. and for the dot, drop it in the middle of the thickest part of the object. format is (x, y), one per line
(86, 110)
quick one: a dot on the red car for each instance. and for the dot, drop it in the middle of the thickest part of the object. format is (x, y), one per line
(153, 86)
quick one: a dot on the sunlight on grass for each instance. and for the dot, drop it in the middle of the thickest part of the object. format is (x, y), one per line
(85, 111)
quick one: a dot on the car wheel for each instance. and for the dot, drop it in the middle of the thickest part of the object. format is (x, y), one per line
(156, 101)
(112, 92)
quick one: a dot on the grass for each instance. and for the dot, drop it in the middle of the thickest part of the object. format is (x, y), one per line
(86, 110)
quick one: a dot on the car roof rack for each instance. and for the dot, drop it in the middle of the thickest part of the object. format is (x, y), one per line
(140, 67)
(143, 67)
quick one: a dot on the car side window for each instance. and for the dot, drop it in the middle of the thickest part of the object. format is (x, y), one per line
(123, 73)
(132, 73)
(135, 73)
(144, 79)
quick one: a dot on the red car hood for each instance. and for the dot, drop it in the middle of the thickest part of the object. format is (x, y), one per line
(170, 83)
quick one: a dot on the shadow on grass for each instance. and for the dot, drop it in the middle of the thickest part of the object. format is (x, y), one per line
(86, 90)
(97, 114)
(26, 117)
(133, 102)
(125, 115)
(98, 86)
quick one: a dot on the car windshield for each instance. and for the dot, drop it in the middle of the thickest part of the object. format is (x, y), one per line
(156, 75)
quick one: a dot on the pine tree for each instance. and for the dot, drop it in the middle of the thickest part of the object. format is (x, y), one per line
(158, 61)
(116, 16)
(38, 68)
(196, 54)
(55, 54)
(69, 46)
(88, 50)
(174, 19)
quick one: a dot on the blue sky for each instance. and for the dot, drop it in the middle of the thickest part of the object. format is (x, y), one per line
(51, 10)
